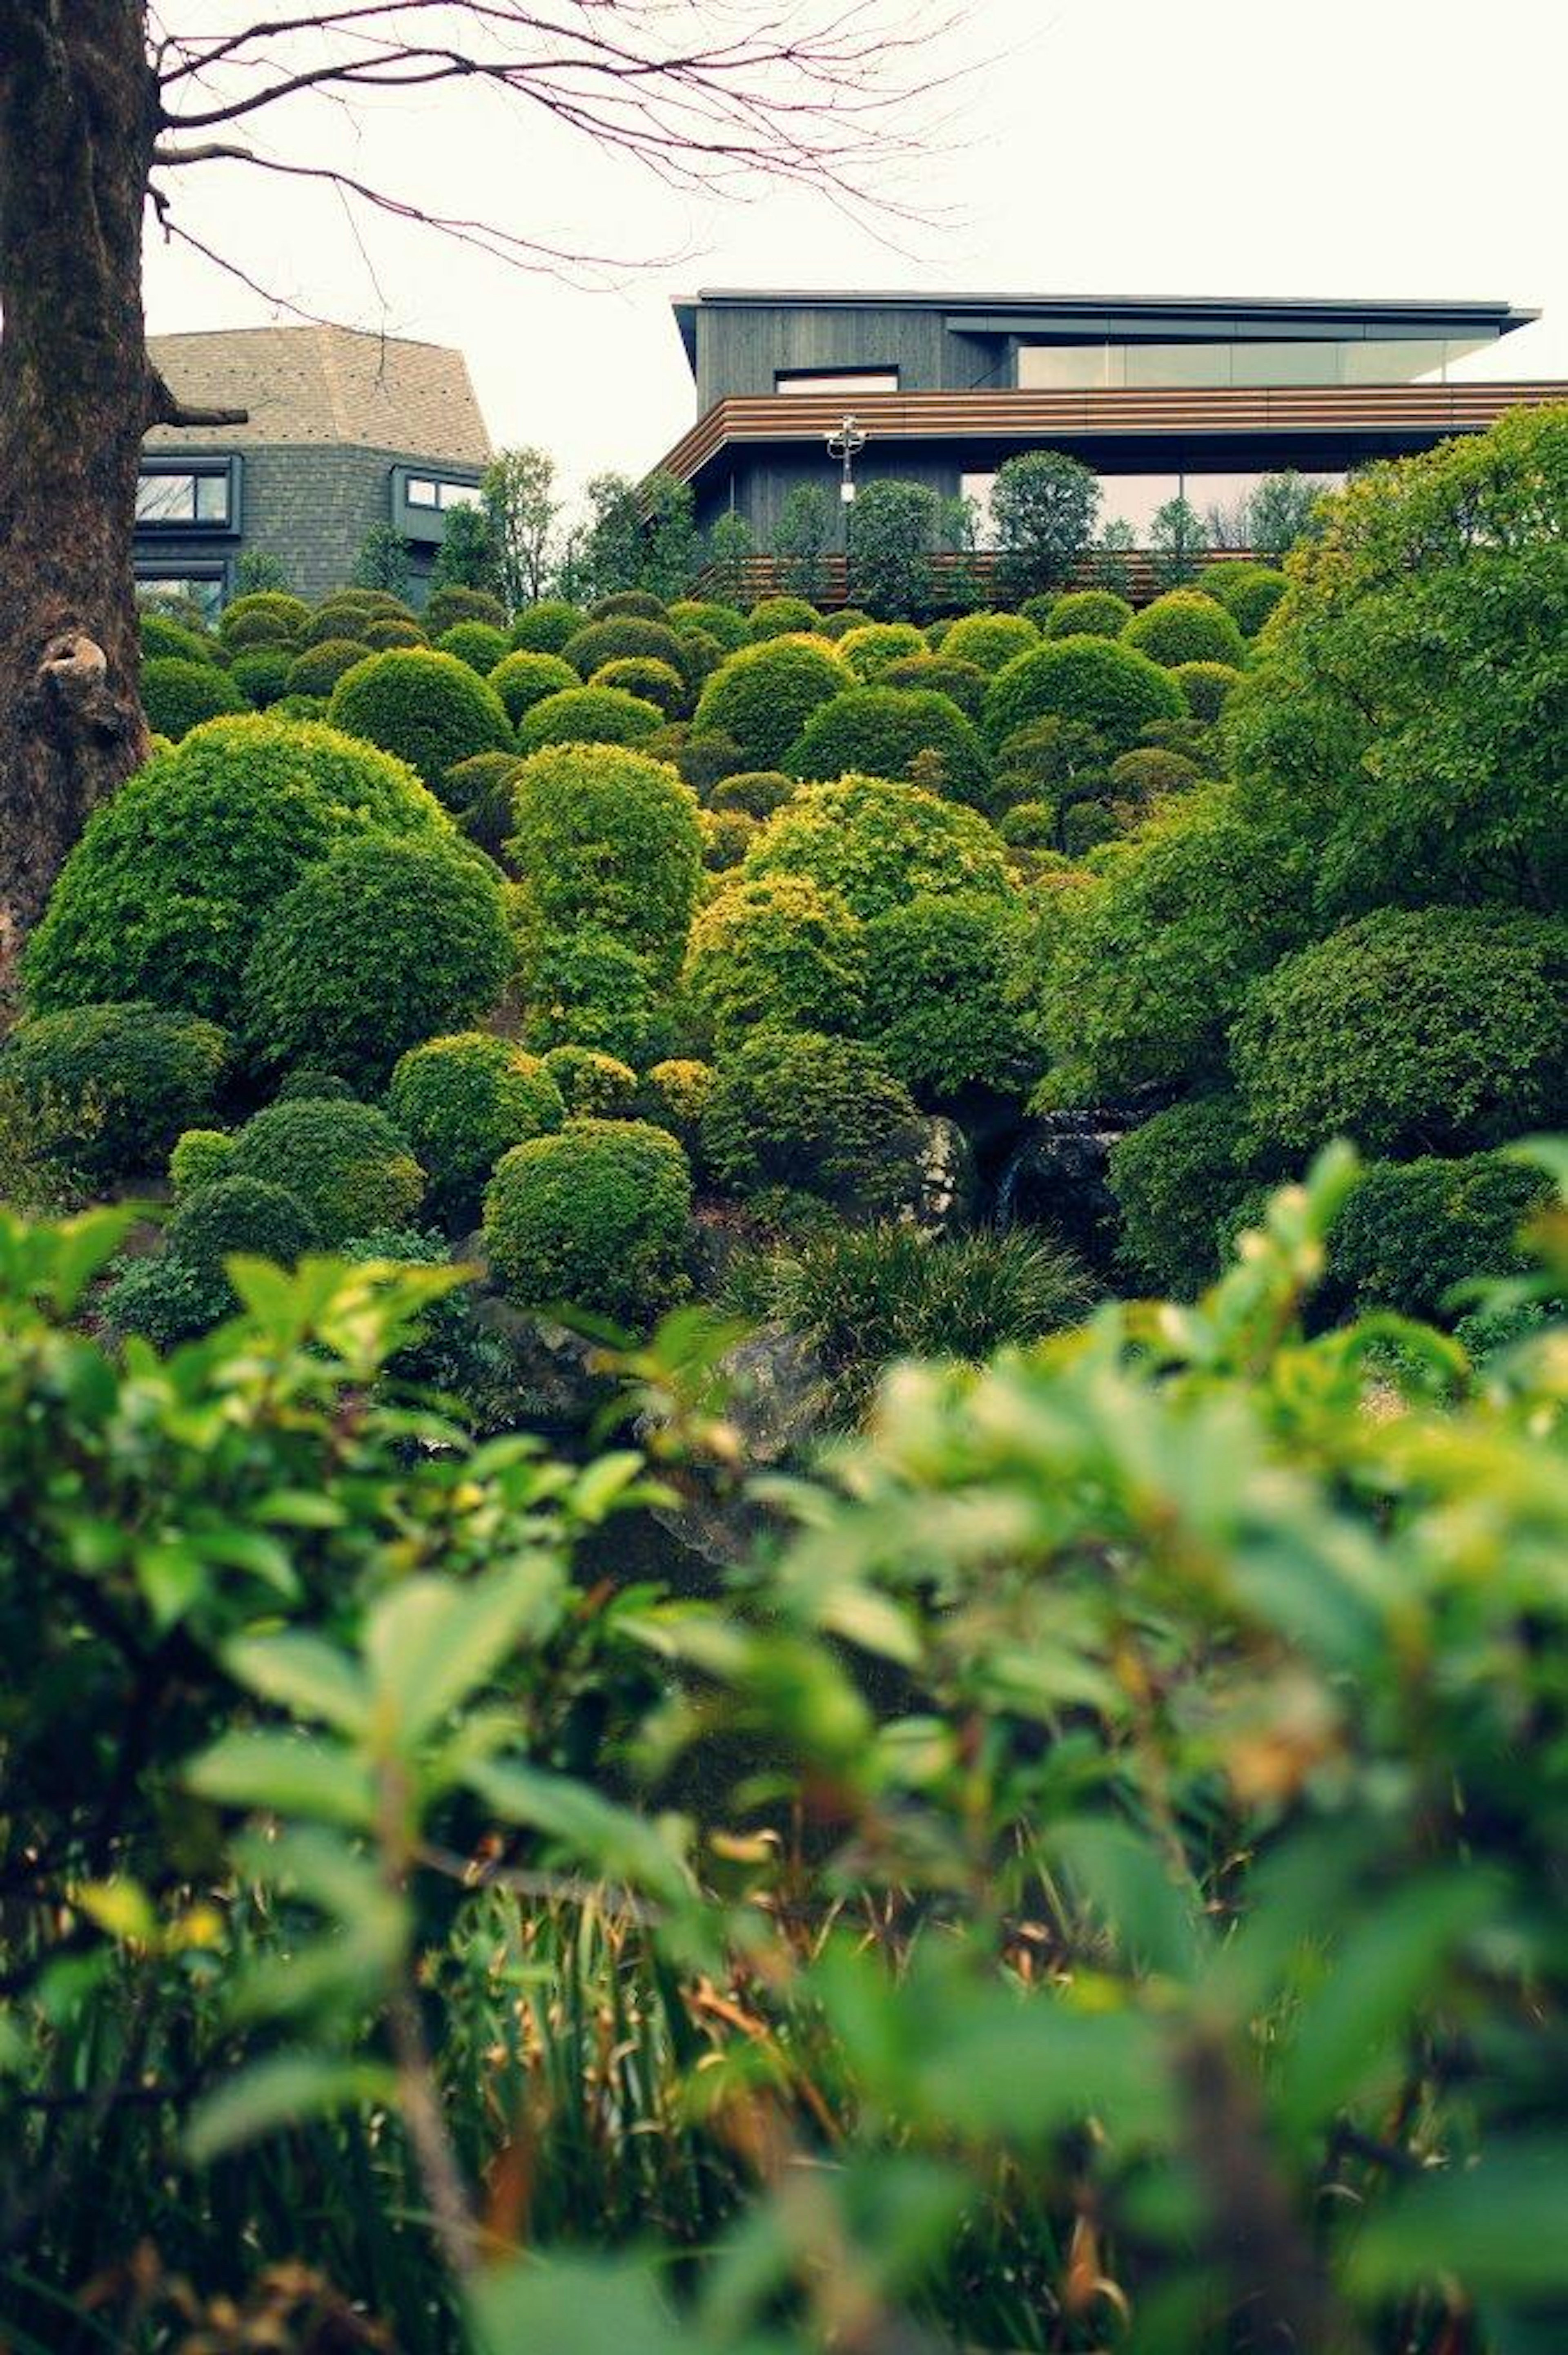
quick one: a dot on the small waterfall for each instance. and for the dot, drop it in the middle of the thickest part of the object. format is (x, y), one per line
(1055, 1174)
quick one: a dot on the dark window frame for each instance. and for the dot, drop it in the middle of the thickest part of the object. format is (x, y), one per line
(218, 570)
(230, 471)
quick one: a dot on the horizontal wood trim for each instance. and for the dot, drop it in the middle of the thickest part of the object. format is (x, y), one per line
(763, 576)
(1010, 416)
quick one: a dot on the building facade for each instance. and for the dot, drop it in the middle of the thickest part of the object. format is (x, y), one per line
(344, 431)
(1163, 399)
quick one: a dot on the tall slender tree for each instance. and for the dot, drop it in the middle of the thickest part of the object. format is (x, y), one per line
(103, 114)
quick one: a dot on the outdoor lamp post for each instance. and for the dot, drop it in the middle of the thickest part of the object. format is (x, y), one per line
(846, 443)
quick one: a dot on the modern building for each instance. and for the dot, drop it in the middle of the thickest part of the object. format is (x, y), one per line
(344, 431)
(1162, 396)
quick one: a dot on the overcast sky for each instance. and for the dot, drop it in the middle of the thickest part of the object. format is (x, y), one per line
(1349, 147)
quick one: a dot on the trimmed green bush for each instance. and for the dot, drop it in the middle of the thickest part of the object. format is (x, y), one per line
(586, 988)
(306, 1084)
(240, 1214)
(1417, 1030)
(588, 715)
(756, 792)
(1205, 687)
(290, 707)
(782, 617)
(1177, 1178)
(1414, 1231)
(989, 641)
(165, 1300)
(653, 682)
(607, 840)
(964, 683)
(1186, 626)
(878, 844)
(881, 731)
(262, 673)
(676, 1094)
(1100, 682)
(798, 1109)
(454, 602)
(598, 1218)
(344, 1161)
(594, 1085)
(427, 708)
(837, 627)
(728, 835)
(384, 629)
(463, 1101)
(178, 694)
(479, 644)
(524, 679)
(544, 628)
(199, 1155)
(700, 658)
(252, 630)
(938, 1009)
(380, 945)
(725, 624)
(350, 614)
(118, 1081)
(869, 650)
(1028, 826)
(763, 695)
(778, 950)
(1086, 613)
(481, 791)
(1146, 773)
(164, 892)
(641, 604)
(166, 641)
(618, 639)
(317, 670)
(289, 616)
(1248, 591)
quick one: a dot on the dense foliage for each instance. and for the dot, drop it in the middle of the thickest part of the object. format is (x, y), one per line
(429, 708)
(609, 839)
(882, 732)
(877, 844)
(462, 1101)
(344, 1160)
(763, 695)
(1098, 682)
(597, 1216)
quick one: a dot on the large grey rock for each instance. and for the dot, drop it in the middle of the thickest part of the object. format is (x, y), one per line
(925, 1178)
(778, 1391)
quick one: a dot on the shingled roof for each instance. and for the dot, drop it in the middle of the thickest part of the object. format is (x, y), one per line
(324, 385)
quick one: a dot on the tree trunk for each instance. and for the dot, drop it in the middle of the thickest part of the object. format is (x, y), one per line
(78, 115)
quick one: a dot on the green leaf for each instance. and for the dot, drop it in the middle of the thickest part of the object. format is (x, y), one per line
(171, 1575)
(281, 2091)
(83, 1246)
(432, 1642)
(303, 1674)
(1153, 1921)
(288, 1774)
(553, 2306)
(606, 1838)
(1496, 2227)
(602, 1485)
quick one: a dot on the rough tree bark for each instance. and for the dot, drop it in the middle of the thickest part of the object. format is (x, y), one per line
(78, 116)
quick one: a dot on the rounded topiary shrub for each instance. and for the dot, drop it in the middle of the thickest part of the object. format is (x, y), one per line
(597, 1218)
(317, 670)
(1144, 773)
(382, 944)
(1186, 626)
(676, 1094)
(763, 695)
(728, 835)
(882, 732)
(463, 1101)
(427, 708)
(113, 1086)
(653, 682)
(594, 1085)
(384, 630)
(800, 1109)
(447, 606)
(524, 679)
(306, 1083)
(837, 627)
(1176, 1178)
(1087, 613)
(587, 988)
(479, 644)
(989, 640)
(348, 617)
(345, 1162)
(1416, 1030)
(607, 839)
(756, 792)
(588, 715)
(1028, 826)
(254, 629)
(1205, 687)
(199, 1155)
(166, 641)
(618, 639)
(782, 617)
(877, 844)
(641, 603)
(253, 1215)
(1248, 591)
(725, 624)
(262, 673)
(964, 683)
(178, 694)
(163, 1299)
(1100, 682)
(778, 950)
(869, 650)
(544, 628)
(162, 896)
(286, 616)
(1414, 1231)
(939, 1010)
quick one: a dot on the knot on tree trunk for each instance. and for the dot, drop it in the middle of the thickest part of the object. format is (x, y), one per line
(74, 671)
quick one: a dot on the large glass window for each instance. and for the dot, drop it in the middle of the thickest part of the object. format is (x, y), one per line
(188, 498)
(202, 585)
(430, 491)
(844, 380)
(1081, 368)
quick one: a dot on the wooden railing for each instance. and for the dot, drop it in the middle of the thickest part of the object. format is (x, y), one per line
(764, 576)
